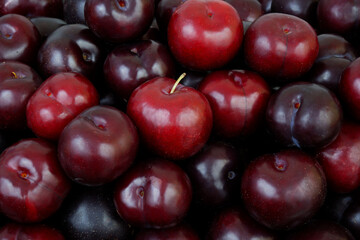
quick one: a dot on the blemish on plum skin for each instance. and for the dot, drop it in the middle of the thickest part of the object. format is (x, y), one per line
(286, 30)
(140, 192)
(280, 164)
(297, 105)
(101, 127)
(14, 75)
(121, 4)
(23, 175)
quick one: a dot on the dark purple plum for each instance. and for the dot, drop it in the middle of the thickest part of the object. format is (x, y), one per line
(332, 45)
(19, 39)
(328, 72)
(71, 48)
(33, 8)
(164, 11)
(46, 25)
(339, 17)
(119, 20)
(305, 9)
(90, 214)
(128, 66)
(249, 10)
(98, 145)
(18, 82)
(215, 174)
(74, 11)
(305, 115)
(154, 193)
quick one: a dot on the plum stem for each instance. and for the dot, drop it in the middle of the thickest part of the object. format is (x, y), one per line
(177, 82)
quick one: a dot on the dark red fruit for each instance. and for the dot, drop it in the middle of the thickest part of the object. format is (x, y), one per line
(173, 125)
(283, 190)
(280, 46)
(128, 66)
(119, 20)
(71, 48)
(33, 8)
(32, 183)
(154, 193)
(19, 39)
(238, 100)
(349, 90)
(98, 145)
(237, 223)
(341, 159)
(57, 101)
(18, 82)
(201, 29)
(30, 232)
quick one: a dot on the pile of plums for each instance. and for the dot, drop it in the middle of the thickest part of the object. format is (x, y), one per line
(179, 119)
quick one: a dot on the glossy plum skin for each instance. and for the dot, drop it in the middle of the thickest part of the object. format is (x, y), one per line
(266, 5)
(340, 160)
(305, 9)
(238, 100)
(237, 223)
(98, 145)
(33, 185)
(107, 18)
(18, 82)
(327, 72)
(199, 30)
(74, 11)
(280, 204)
(57, 101)
(32, 8)
(173, 125)
(178, 232)
(249, 10)
(321, 230)
(305, 115)
(331, 17)
(20, 39)
(47, 25)
(89, 213)
(215, 174)
(350, 218)
(127, 66)
(349, 91)
(71, 48)
(164, 11)
(331, 45)
(271, 46)
(155, 193)
(335, 55)
(31, 232)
